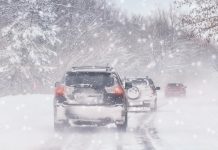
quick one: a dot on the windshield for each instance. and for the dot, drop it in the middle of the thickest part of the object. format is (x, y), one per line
(140, 82)
(175, 85)
(90, 78)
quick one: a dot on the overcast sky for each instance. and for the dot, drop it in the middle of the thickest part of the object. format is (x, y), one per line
(143, 7)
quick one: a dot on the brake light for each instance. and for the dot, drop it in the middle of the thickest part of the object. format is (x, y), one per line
(59, 91)
(118, 91)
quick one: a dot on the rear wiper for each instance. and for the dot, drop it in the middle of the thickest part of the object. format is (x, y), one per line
(82, 85)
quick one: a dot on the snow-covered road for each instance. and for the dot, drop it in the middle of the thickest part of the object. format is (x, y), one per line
(26, 123)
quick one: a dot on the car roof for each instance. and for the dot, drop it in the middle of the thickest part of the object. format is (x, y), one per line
(174, 84)
(136, 79)
(101, 69)
(140, 79)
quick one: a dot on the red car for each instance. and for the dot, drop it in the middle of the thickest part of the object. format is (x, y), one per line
(175, 90)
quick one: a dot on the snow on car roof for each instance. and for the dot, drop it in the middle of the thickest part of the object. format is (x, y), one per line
(92, 69)
(138, 80)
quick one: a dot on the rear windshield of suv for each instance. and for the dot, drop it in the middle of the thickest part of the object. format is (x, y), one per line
(95, 79)
(175, 85)
(138, 82)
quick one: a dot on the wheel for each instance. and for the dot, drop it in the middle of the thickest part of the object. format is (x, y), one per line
(184, 95)
(59, 127)
(154, 108)
(122, 127)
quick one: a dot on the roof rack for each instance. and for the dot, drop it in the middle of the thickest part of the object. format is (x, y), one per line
(107, 68)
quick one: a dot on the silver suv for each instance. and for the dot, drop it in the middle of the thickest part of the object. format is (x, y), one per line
(90, 96)
(142, 94)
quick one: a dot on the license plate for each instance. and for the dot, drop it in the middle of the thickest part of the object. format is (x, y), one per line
(135, 103)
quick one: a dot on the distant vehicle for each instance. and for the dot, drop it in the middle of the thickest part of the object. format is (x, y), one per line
(175, 90)
(90, 95)
(143, 93)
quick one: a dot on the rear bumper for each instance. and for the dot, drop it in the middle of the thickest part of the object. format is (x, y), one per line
(140, 104)
(175, 93)
(91, 114)
(147, 102)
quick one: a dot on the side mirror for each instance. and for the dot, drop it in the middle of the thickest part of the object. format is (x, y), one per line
(157, 88)
(57, 84)
(128, 85)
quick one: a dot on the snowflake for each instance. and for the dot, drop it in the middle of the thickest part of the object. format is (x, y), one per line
(180, 71)
(139, 40)
(214, 100)
(213, 57)
(161, 42)
(200, 92)
(199, 63)
(112, 45)
(195, 136)
(7, 126)
(25, 117)
(149, 36)
(143, 27)
(109, 3)
(61, 62)
(95, 35)
(170, 56)
(42, 142)
(204, 81)
(91, 49)
(2, 102)
(144, 40)
(179, 33)
(193, 64)
(159, 121)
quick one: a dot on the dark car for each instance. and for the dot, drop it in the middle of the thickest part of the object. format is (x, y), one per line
(142, 94)
(90, 96)
(175, 90)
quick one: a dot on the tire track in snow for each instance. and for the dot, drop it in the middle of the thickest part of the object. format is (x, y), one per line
(98, 138)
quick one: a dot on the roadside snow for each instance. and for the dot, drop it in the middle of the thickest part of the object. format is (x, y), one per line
(25, 121)
(188, 123)
(179, 124)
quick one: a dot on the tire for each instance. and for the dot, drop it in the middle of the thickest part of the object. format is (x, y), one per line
(184, 95)
(60, 126)
(122, 127)
(154, 108)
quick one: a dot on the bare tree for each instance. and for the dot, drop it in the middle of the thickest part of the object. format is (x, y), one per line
(200, 18)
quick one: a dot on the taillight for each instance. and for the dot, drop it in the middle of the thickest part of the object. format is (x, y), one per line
(59, 91)
(118, 91)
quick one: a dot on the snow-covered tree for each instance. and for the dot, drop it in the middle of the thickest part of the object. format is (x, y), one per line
(29, 34)
(200, 18)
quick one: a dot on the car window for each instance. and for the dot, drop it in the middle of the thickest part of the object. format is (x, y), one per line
(175, 85)
(90, 78)
(140, 82)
